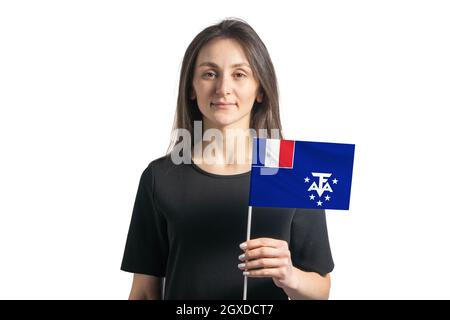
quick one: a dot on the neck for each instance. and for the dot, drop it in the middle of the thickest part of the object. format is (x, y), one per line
(229, 145)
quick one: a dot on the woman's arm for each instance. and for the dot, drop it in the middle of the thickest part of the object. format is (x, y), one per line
(310, 285)
(145, 287)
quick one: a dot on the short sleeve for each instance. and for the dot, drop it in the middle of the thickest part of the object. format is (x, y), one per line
(146, 248)
(309, 245)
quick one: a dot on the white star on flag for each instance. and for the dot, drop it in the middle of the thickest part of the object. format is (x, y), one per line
(306, 179)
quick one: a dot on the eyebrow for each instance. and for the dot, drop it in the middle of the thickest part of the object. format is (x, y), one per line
(212, 64)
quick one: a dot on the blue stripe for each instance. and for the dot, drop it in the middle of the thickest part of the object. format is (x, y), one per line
(261, 152)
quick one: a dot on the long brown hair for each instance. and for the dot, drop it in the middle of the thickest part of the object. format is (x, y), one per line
(264, 115)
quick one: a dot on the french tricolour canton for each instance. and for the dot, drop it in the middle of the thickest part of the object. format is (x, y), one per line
(301, 174)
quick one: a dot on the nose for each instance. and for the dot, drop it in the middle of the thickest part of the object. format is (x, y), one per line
(223, 86)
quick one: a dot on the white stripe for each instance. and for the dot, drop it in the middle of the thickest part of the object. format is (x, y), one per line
(272, 153)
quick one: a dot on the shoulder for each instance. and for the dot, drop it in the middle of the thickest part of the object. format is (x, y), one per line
(163, 168)
(160, 163)
(156, 166)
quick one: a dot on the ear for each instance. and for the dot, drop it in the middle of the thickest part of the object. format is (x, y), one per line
(259, 97)
(193, 95)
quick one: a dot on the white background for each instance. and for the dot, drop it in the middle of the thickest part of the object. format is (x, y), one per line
(87, 99)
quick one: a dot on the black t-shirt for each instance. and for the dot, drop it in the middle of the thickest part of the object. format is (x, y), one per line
(187, 225)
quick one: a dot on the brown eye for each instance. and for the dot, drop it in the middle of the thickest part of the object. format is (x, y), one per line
(209, 75)
(240, 75)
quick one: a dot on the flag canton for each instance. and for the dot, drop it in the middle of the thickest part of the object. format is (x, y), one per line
(273, 153)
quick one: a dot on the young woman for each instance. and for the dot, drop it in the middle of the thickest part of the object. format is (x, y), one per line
(189, 219)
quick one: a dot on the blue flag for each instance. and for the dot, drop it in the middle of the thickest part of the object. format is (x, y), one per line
(301, 174)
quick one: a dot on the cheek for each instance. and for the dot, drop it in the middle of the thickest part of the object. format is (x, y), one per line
(248, 94)
(203, 89)
(203, 94)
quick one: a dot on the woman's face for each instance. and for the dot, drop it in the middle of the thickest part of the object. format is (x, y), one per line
(224, 85)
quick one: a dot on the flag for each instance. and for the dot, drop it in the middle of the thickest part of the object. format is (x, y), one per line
(301, 174)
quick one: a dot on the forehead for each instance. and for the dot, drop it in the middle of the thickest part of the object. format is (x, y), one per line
(222, 52)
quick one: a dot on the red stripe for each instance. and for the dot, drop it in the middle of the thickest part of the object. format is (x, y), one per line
(286, 153)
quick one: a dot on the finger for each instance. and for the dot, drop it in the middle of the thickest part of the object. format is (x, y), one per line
(264, 252)
(263, 242)
(263, 273)
(261, 263)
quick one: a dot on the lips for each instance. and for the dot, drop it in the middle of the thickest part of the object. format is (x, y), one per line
(223, 105)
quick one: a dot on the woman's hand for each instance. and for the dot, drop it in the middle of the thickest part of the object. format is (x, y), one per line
(267, 257)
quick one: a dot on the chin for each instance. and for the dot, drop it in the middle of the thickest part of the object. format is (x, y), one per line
(224, 121)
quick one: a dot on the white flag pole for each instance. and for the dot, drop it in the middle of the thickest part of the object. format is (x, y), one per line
(249, 224)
